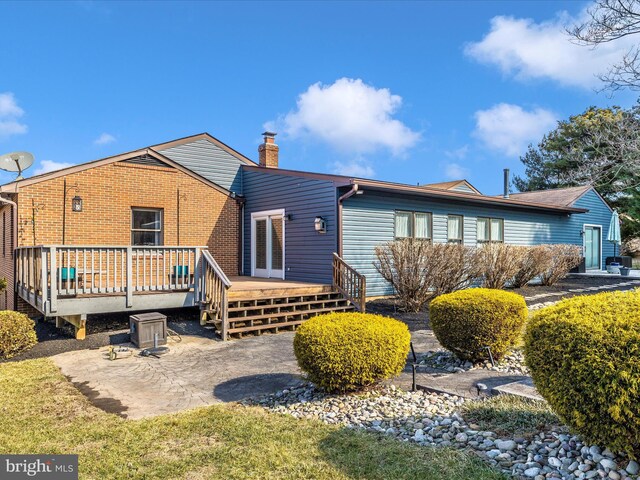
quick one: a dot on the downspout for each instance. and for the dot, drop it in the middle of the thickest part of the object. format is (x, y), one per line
(241, 201)
(14, 228)
(350, 193)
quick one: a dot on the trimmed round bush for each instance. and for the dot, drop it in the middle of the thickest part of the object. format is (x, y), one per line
(467, 321)
(348, 351)
(584, 357)
(17, 333)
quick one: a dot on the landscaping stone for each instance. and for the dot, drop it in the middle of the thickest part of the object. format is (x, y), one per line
(444, 360)
(433, 419)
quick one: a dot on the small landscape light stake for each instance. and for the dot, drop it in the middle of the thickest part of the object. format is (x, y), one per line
(488, 349)
(414, 366)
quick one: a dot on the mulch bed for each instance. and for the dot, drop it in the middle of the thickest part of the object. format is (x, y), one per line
(104, 330)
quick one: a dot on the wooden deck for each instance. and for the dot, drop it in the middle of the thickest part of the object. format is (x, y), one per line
(245, 288)
(70, 282)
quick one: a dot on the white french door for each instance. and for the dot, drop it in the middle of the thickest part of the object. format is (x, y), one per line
(267, 244)
(593, 247)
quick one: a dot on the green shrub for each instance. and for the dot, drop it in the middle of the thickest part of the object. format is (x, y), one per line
(584, 356)
(347, 351)
(467, 321)
(3, 284)
(17, 333)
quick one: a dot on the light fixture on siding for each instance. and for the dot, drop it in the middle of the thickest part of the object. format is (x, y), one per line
(320, 225)
(76, 203)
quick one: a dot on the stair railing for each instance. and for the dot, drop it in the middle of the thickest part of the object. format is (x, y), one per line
(213, 292)
(350, 283)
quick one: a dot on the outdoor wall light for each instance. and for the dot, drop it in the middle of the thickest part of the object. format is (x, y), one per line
(288, 217)
(320, 225)
(76, 204)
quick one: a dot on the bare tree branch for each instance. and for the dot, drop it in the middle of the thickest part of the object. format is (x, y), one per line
(608, 21)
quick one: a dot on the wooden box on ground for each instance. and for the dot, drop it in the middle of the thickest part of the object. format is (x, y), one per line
(145, 326)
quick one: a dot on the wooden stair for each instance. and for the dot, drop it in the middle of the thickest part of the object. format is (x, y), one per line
(273, 312)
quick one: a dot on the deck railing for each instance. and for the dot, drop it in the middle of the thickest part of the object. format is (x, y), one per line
(213, 290)
(49, 273)
(349, 282)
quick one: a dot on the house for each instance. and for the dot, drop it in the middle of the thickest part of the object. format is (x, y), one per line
(192, 222)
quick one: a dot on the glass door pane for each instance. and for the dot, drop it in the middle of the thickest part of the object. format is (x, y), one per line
(588, 247)
(596, 248)
(261, 244)
(276, 244)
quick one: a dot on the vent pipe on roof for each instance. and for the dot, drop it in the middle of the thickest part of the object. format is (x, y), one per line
(506, 183)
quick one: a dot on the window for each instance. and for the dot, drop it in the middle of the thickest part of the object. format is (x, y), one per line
(413, 225)
(455, 226)
(146, 226)
(490, 230)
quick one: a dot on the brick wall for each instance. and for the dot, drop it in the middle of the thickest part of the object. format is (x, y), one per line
(207, 216)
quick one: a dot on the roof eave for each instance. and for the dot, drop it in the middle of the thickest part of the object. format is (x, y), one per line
(471, 198)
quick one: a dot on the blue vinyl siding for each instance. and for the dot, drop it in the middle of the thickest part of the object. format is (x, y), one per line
(308, 254)
(463, 188)
(369, 221)
(209, 161)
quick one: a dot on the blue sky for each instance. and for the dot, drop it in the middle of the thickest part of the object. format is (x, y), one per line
(409, 92)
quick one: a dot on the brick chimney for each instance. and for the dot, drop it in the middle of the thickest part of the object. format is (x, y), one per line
(268, 151)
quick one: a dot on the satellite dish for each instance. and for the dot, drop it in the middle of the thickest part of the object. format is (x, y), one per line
(16, 162)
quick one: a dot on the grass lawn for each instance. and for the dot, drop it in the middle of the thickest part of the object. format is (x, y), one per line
(41, 412)
(510, 415)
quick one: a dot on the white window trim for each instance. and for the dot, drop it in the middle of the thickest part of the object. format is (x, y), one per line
(584, 243)
(456, 240)
(267, 213)
(160, 230)
(491, 240)
(413, 224)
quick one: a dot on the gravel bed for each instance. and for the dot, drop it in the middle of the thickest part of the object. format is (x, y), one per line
(512, 362)
(432, 419)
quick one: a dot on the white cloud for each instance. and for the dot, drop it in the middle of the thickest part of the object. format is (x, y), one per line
(458, 153)
(455, 171)
(509, 128)
(354, 168)
(351, 116)
(10, 113)
(526, 49)
(47, 166)
(104, 139)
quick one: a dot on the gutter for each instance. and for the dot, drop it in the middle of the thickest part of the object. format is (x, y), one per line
(14, 227)
(240, 200)
(350, 193)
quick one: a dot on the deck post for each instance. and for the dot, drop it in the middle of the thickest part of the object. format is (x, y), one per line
(80, 324)
(197, 277)
(224, 316)
(129, 277)
(54, 281)
(44, 284)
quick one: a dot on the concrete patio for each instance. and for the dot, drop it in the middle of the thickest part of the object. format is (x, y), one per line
(199, 372)
(196, 372)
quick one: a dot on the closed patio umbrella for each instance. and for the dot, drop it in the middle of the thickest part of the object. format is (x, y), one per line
(614, 231)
